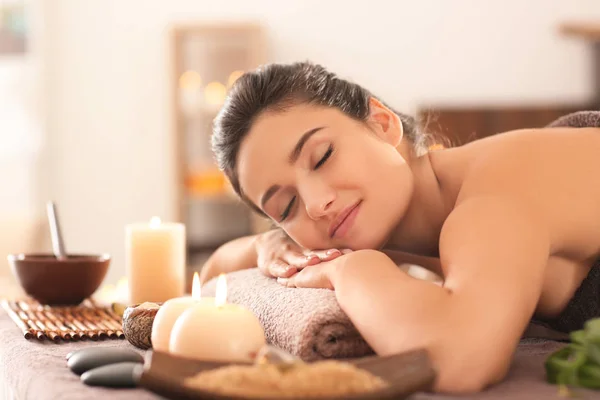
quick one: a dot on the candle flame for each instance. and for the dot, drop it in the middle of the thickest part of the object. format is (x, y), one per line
(154, 222)
(221, 291)
(196, 289)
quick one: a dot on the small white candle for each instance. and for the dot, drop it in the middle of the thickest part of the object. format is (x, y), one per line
(169, 312)
(155, 261)
(217, 331)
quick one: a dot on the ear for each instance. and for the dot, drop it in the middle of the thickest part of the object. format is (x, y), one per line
(385, 122)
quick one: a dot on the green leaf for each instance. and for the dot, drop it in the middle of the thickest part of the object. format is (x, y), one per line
(593, 352)
(563, 364)
(578, 337)
(578, 363)
(589, 376)
(592, 330)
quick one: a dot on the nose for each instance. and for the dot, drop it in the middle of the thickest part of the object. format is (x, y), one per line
(319, 200)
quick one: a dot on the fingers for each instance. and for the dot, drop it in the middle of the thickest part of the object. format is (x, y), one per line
(316, 257)
(287, 264)
(310, 277)
(287, 282)
(280, 269)
(298, 260)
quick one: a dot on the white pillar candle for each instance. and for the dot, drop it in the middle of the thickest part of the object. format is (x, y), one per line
(155, 261)
(217, 331)
(169, 312)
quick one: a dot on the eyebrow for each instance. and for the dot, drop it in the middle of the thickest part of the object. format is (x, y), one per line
(294, 155)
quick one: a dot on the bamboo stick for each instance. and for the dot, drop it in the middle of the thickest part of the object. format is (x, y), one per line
(33, 317)
(63, 333)
(100, 322)
(111, 314)
(58, 322)
(111, 333)
(38, 334)
(25, 318)
(81, 332)
(92, 325)
(100, 314)
(73, 320)
(116, 325)
(28, 333)
(109, 321)
(48, 332)
(111, 317)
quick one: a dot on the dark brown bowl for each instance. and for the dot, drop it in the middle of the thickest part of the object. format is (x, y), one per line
(59, 282)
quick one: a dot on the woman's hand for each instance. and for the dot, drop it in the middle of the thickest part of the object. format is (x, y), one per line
(314, 276)
(278, 256)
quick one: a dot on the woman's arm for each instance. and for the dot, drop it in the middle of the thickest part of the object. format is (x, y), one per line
(494, 254)
(232, 256)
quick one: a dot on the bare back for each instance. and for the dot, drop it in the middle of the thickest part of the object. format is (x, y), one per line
(556, 173)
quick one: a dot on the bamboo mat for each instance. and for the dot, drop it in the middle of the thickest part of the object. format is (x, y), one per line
(85, 321)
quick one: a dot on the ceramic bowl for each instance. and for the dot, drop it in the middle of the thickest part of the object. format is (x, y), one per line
(59, 282)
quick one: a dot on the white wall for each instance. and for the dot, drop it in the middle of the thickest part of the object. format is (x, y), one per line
(108, 81)
(21, 142)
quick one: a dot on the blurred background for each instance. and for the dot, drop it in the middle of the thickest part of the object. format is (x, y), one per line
(106, 105)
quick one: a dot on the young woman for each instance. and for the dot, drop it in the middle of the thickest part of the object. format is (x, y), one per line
(513, 220)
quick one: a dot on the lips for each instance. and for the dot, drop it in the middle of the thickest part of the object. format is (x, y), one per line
(341, 217)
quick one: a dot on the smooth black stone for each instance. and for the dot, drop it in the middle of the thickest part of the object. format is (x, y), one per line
(121, 375)
(94, 357)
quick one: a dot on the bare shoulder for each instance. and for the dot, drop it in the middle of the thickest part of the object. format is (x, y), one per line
(530, 156)
(554, 172)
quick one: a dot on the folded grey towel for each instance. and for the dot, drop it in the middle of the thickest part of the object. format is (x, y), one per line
(308, 323)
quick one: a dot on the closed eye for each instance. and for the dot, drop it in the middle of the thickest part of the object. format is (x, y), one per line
(325, 157)
(287, 210)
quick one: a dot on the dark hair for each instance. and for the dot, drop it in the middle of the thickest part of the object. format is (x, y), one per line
(277, 87)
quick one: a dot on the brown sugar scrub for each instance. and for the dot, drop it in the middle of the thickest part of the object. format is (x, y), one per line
(320, 379)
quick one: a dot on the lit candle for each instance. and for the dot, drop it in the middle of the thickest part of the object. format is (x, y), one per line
(155, 261)
(217, 331)
(169, 312)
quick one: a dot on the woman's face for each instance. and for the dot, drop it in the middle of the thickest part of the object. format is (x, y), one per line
(329, 181)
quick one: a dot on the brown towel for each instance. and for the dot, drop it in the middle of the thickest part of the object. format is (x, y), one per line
(308, 323)
(580, 119)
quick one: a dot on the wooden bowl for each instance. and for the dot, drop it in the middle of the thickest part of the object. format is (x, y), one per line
(405, 373)
(59, 282)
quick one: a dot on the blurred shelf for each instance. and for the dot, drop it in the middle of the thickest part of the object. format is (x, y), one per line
(202, 248)
(586, 30)
(221, 198)
(206, 184)
(206, 60)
